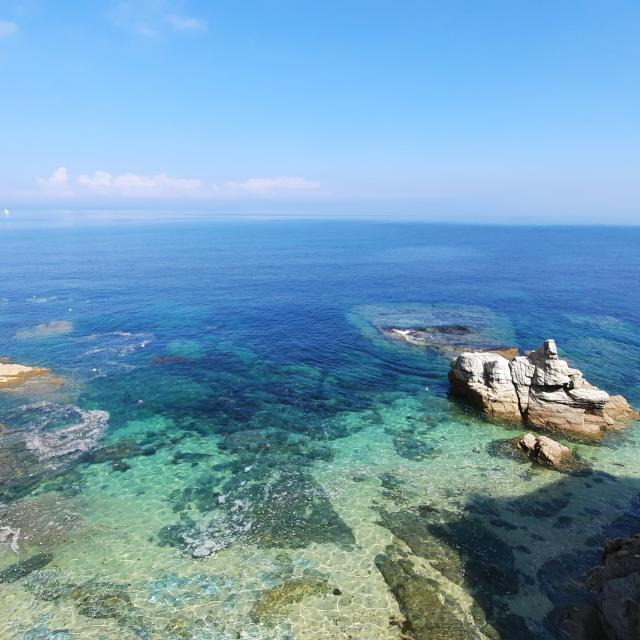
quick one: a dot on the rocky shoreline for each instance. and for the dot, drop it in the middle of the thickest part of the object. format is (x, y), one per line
(13, 375)
(537, 389)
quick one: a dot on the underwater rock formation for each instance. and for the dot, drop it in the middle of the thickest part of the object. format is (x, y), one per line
(538, 389)
(275, 602)
(448, 338)
(429, 613)
(544, 450)
(13, 375)
(56, 327)
(72, 440)
(24, 567)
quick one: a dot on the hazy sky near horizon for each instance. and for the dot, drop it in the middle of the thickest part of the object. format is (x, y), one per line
(496, 111)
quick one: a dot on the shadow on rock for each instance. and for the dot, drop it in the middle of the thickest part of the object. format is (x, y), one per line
(505, 550)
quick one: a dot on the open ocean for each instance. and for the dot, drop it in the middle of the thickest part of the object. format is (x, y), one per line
(273, 467)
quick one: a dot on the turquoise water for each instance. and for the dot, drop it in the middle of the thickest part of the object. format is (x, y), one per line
(272, 466)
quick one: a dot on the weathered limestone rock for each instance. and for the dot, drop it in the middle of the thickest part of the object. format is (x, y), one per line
(544, 450)
(484, 379)
(539, 389)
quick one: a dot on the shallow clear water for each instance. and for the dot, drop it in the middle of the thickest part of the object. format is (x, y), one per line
(274, 467)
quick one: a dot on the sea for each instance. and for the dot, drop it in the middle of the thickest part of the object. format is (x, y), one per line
(229, 446)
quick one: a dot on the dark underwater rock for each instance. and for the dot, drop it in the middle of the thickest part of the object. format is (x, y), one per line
(170, 359)
(469, 554)
(408, 446)
(24, 567)
(428, 614)
(118, 451)
(392, 488)
(48, 585)
(97, 601)
(448, 338)
(192, 457)
(413, 530)
(107, 601)
(281, 509)
(274, 603)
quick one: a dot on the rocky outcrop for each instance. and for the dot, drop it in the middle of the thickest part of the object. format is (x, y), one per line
(544, 450)
(13, 375)
(616, 584)
(539, 389)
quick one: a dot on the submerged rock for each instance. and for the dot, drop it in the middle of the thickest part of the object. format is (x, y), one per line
(56, 327)
(283, 510)
(538, 389)
(72, 440)
(275, 602)
(429, 615)
(103, 601)
(544, 450)
(448, 338)
(24, 567)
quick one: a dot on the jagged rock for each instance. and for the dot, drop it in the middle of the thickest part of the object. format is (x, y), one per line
(484, 379)
(543, 449)
(619, 410)
(539, 389)
(616, 584)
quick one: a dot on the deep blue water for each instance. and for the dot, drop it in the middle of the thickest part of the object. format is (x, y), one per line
(249, 346)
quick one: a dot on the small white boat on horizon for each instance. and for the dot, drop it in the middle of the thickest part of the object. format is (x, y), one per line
(6, 212)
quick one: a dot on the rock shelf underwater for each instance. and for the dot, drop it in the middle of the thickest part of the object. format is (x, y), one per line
(258, 460)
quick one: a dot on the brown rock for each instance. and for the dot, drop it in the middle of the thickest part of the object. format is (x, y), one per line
(544, 450)
(619, 410)
(13, 375)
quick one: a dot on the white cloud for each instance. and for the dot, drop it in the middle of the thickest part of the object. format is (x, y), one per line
(59, 178)
(8, 28)
(104, 184)
(184, 23)
(134, 184)
(270, 185)
(99, 180)
(152, 18)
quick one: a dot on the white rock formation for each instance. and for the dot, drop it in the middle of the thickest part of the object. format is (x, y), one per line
(539, 389)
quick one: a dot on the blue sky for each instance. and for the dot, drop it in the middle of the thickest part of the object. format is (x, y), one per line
(497, 111)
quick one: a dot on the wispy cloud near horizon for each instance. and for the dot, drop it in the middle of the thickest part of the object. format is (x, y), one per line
(105, 184)
(271, 185)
